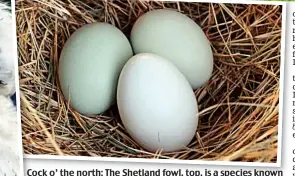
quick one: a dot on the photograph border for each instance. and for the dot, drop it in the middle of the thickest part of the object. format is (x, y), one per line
(17, 90)
(282, 83)
(198, 162)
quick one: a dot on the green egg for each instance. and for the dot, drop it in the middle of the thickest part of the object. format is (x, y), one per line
(176, 37)
(89, 67)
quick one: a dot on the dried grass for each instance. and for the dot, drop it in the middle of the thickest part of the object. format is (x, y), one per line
(239, 105)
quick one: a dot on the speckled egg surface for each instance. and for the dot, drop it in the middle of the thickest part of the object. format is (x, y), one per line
(156, 103)
(90, 65)
(178, 38)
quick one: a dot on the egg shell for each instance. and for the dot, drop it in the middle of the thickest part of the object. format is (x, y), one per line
(176, 37)
(156, 103)
(90, 65)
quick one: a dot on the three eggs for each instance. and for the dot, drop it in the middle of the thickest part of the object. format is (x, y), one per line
(151, 78)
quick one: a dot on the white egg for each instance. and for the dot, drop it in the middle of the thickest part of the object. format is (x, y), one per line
(156, 103)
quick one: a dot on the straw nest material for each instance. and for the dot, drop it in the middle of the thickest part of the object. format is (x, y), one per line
(239, 106)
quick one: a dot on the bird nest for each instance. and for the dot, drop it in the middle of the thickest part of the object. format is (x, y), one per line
(239, 105)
